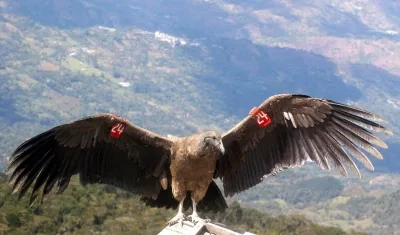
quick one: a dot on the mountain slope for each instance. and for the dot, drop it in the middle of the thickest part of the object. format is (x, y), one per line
(105, 210)
(218, 72)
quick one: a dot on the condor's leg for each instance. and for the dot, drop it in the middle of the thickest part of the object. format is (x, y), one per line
(197, 195)
(179, 217)
(179, 193)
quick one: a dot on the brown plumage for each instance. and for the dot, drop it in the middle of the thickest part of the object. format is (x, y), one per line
(283, 132)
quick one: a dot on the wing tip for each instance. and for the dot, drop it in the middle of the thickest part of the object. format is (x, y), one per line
(388, 132)
(360, 112)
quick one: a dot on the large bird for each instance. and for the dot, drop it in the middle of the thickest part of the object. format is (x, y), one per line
(285, 131)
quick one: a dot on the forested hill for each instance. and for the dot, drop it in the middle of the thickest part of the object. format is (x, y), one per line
(105, 210)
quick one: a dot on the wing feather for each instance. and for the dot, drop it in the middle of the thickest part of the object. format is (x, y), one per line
(346, 160)
(356, 111)
(352, 149)
(362, 122)
(323, 163)
(331, 154)
(40, 181)
(85, 147)
(302, 128)
(360, 131)
(361, 142)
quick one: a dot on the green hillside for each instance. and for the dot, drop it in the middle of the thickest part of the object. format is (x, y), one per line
(105, 210)
(368, 204)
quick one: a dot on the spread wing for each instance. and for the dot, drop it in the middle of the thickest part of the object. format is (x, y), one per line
(102, 149)
(286, 130)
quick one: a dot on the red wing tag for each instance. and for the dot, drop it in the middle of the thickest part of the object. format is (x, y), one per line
(117, 130)
(262, 118)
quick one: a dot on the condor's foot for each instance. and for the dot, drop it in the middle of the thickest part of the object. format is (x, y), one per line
(178, 218)
(196, 219)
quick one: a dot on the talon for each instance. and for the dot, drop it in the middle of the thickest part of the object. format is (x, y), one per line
(177, 219)
(196, 219)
